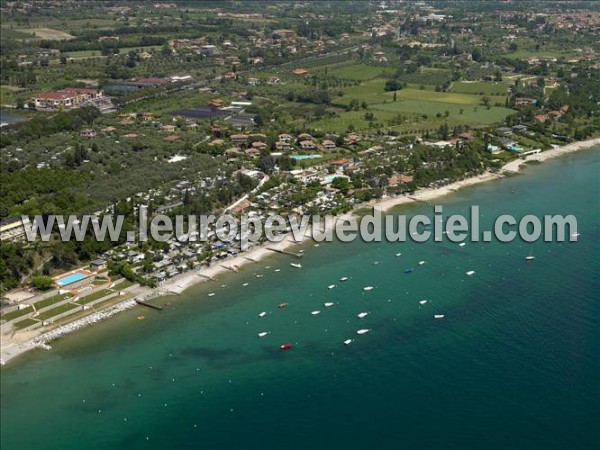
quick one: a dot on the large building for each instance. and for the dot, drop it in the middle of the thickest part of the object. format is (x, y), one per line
(13, 230)
(66, 98)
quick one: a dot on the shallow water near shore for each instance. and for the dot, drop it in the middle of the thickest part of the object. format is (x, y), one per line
(513, 364)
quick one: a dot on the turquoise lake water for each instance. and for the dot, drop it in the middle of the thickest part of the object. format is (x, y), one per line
(514, 364)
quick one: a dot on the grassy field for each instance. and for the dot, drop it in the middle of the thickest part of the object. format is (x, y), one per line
(459, 113)
(95, 296)
(52, 300)
(438, 107)
(48, 34)
(56, 311)
(25, 323)
(340, 123)
(480, 88)
(17, 313)
(427, 75)
(354, 71)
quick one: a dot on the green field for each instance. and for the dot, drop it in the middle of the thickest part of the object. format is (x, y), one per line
(47, 33)
(51, 300)
(480, 88)
(56, 311)
(25, 323)
(471, 113)
(438, 107)
(16, 313)
(361, 72)
(95, 296)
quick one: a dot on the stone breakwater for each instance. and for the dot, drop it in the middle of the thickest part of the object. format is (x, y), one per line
(81, 323)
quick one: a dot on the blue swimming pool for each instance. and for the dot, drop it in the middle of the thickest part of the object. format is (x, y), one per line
(300, 157)
(70, 279)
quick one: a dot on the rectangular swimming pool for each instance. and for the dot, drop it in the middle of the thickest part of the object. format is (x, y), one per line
(70, 279)
(301, 157)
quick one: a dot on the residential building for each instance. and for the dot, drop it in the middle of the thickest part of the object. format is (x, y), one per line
(14, 229)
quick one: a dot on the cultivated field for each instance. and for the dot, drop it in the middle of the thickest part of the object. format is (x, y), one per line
(49, 34)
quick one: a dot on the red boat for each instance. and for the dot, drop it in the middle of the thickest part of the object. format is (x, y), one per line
(286, 346)
(282, 305)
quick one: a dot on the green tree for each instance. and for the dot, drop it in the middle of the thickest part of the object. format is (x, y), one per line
(41, 282)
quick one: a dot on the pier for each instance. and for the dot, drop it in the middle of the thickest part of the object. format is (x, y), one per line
(206, 277)
(285, 252)
(418, 200)
(149, 305)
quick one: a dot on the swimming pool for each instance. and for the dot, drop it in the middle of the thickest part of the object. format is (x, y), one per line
(70, 279)
(300, 157)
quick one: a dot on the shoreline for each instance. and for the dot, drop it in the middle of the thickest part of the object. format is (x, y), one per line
(180, 283)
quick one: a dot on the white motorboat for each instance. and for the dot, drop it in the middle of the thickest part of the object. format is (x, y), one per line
(331, 286)
(296, 265)
(438, 316)
(368, 288)
(344, 279)
(362, 315)
(363, 331)
(422, 262)
(348, 341)
(262, 314)
(315, 313)
(328, 304)
(263, 333)
(470, 272)
(422, 302)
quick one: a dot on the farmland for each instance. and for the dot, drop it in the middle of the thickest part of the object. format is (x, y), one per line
(48, 33)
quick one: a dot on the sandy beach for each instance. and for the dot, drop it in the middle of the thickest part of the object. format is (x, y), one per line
(20, 342)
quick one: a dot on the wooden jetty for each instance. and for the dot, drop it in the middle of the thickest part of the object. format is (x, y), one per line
(149, 305)
(206, 277)
(285, 252)
(418, 200)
